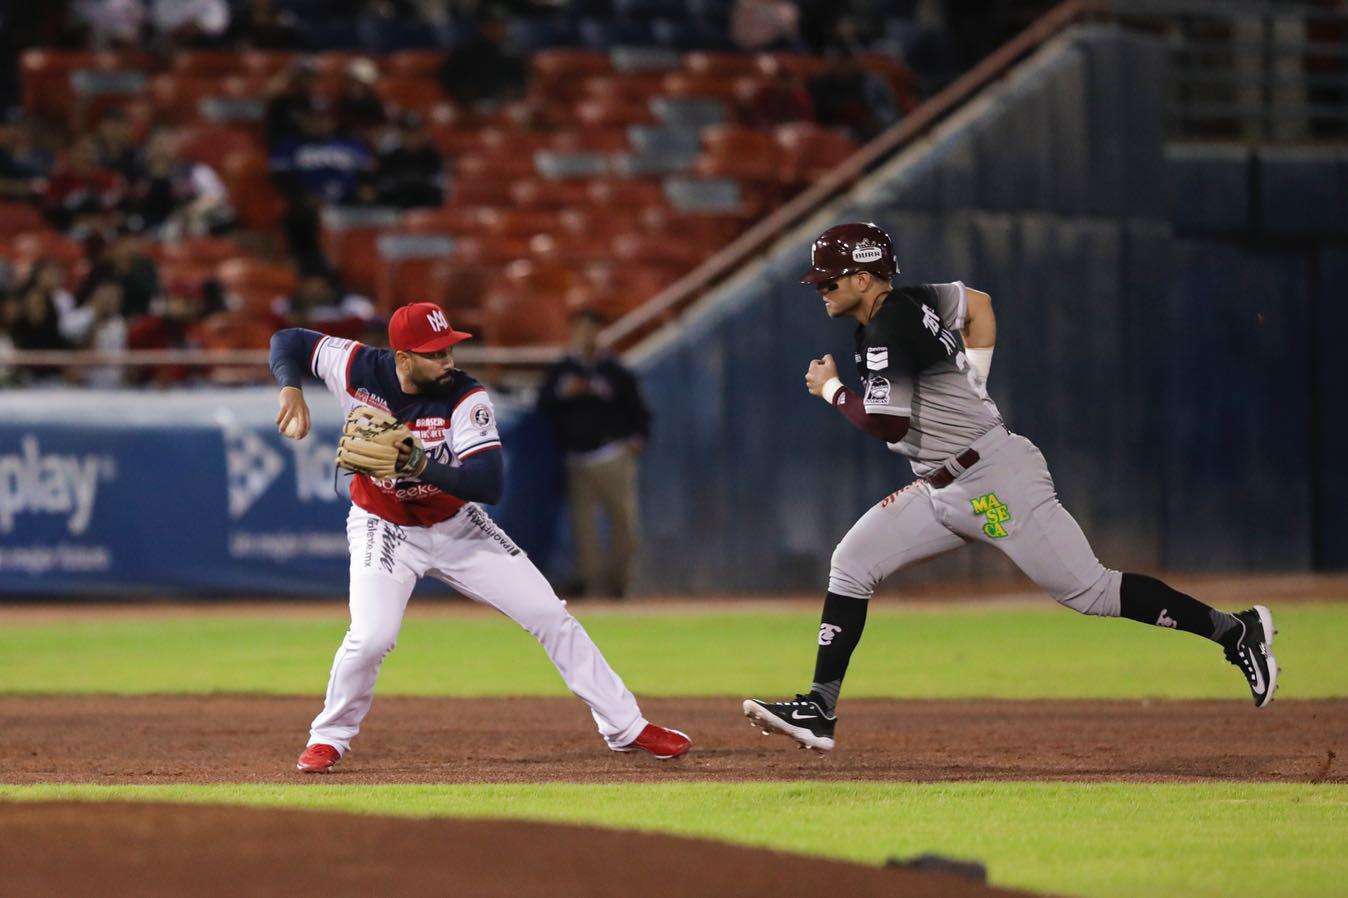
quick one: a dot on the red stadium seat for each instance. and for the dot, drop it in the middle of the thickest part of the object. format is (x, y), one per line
(410, 93)
(737, 152)
(423, 64)
(248, 273)
(266, 62)
(590, 140)
(250, 190)
(19, 217)
(701, 84)
(543, 193)
(724, 64)
(456, 221)
(216, 144)
(455, 139)
(521, 318)
(626, 192)
(177, 98)
(606, 112)
(809, 152)
(212, 63)
(518, 223)
(200, 251)
(569, 64)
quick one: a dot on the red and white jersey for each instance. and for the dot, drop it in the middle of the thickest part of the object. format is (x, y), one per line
(453, 423)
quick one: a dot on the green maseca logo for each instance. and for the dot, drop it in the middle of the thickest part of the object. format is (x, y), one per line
(994, 512)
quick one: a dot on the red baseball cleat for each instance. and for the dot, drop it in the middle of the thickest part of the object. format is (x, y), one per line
(318, 758)
(659, 741)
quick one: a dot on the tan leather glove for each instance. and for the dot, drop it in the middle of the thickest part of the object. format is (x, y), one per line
(376, 443)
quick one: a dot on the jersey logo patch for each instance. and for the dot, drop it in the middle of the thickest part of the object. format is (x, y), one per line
(877, 358)
(481, 416)
(877, 391)
(995, 514)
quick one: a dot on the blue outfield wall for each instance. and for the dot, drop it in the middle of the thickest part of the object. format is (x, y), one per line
(1174, 368)
(142, 494)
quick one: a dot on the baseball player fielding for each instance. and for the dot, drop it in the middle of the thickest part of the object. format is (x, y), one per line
(419, 452)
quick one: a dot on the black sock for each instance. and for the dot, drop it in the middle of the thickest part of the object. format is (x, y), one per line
(1149, 601)
(839, 632)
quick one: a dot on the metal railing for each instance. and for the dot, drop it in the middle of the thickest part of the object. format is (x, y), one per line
(1271, 72)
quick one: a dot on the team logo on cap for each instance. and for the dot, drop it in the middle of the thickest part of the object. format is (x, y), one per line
(867, 253)
(437, 321)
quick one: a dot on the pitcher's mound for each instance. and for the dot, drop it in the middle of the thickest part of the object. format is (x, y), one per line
(127, 848)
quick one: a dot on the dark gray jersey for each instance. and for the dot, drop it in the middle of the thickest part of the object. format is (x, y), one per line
(911, 361)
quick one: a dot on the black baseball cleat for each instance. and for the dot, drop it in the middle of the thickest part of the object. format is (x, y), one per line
(1251, 650)
(804, 720)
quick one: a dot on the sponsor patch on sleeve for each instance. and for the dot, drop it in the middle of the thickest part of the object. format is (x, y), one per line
(481, 417)
(877, 358)
(877, 391)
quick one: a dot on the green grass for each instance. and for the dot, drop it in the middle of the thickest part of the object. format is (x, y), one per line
(938, 653)
(1077, 839)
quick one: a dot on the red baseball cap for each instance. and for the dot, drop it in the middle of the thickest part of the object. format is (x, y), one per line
(422, 327)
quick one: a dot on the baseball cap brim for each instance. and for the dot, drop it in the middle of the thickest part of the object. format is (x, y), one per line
(441, 341)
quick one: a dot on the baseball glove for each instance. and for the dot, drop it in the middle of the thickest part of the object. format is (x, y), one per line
(378, 444)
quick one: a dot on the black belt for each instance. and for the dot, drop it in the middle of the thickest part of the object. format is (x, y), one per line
(943, 476)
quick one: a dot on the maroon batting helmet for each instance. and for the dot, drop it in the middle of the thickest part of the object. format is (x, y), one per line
(848, 248)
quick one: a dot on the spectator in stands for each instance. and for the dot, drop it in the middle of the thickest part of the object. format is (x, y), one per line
(780, 100)
(765, 25)
(487, 68)
(360, 112)
(262, 26)
(192, 23)
(175, 325)
(123, 259)
(111, 22)
(175, 198)
(290, 100)
(98, 324)
(319, 302)
(116, 150)
(321, 167)
(411, 173)
(602, 424)
(847, 95)
(82, 195)
(23, 171)
(48, 277)
(35, 321)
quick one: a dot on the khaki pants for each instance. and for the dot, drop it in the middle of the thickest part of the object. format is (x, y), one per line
(610, 484)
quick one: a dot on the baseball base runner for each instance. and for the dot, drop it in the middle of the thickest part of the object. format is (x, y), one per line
(420, 449)
(923, 354)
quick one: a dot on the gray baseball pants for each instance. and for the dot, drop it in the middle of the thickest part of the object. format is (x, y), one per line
(1007, 500)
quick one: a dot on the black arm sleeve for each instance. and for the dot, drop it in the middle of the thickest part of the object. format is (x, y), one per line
(480, 478)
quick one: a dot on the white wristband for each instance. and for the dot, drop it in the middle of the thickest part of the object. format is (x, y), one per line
(830, 389)
(981, 359)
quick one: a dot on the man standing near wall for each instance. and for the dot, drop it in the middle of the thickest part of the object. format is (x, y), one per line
(602, 424)
(923, 354)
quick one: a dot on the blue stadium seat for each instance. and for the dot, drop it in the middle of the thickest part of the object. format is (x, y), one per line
(603, 34)
(691, 112)
(383, 35)
(647, 9)
(322, 34)
(703, 194)
(532, 35)
(689, 34)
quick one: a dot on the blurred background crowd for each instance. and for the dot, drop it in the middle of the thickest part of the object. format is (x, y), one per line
(182, 174)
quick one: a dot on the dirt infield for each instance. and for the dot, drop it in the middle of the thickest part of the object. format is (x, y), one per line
(152, 850)
(240, 739)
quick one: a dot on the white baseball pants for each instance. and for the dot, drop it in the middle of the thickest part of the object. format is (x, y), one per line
(474, 556)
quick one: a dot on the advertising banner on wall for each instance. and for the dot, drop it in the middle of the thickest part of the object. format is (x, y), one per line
(139, 494)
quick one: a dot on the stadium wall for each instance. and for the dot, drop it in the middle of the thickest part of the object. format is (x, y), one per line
(1177, 378)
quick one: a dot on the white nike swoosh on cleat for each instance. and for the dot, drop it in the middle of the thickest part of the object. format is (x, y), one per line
(796, 715)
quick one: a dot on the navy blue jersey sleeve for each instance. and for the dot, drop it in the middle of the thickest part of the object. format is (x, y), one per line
(480, 478)
(291, 350)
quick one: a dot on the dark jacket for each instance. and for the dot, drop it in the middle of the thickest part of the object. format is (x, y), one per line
(608, 410)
